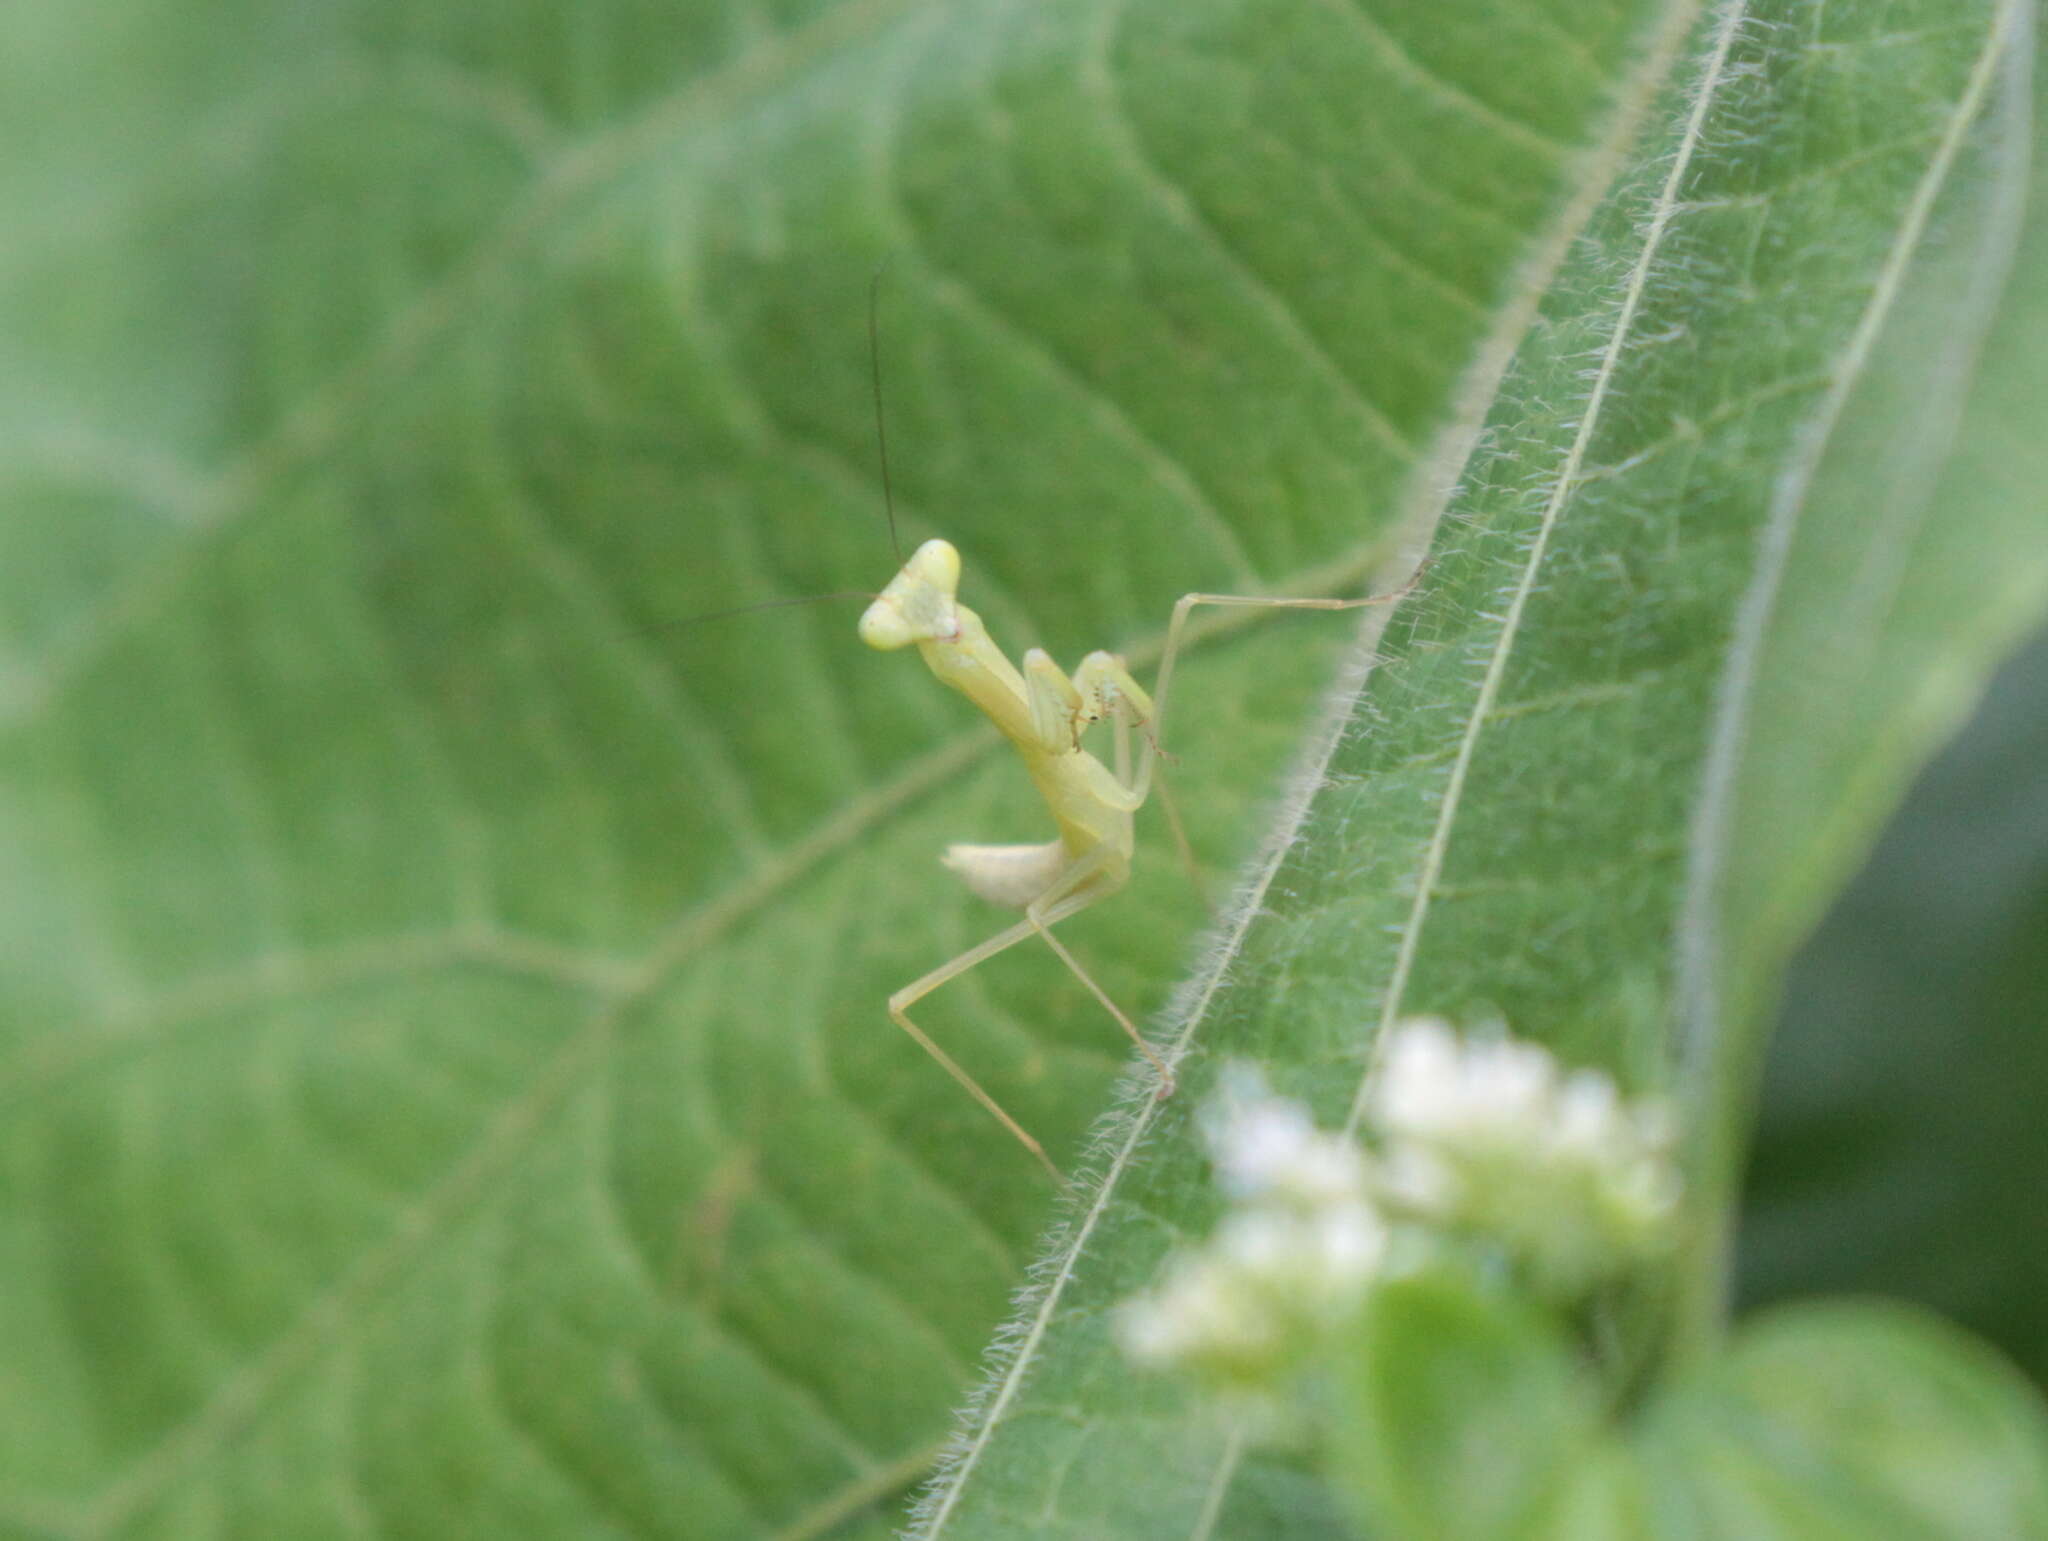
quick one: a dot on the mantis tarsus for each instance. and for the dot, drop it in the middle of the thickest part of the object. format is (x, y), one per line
(1044, 712)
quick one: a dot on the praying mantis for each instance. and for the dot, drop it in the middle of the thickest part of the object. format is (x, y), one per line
(1044, 713)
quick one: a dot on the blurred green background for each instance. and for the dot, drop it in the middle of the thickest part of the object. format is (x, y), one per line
(1902, 1141)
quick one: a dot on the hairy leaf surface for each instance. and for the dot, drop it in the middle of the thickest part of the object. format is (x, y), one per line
(1590, 785)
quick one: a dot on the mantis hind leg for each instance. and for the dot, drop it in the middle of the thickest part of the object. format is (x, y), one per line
(1070, 893)
(899, 1012)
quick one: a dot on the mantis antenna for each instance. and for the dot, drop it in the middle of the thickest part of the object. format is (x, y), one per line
(881, 428)
(768, 604)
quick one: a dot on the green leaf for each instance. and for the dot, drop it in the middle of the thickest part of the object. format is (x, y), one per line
(1853, 1421)
(446, 1086)
(1463, 1418)
(1592, 784)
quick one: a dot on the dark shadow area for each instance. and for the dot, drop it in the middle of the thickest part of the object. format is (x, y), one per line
(1902, 1144)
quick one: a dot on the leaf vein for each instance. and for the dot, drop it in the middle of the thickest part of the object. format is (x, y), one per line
(1160, 463)
(1407, 67)
(1099, 73)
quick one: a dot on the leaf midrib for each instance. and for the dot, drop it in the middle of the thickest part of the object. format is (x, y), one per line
(1563, 487)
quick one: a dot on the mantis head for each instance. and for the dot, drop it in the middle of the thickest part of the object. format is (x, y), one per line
(917, 606)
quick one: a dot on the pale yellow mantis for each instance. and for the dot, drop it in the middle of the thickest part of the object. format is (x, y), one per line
(1044, 712)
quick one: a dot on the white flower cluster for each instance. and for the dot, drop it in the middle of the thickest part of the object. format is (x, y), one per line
(1488, 1141)
(1289, 1260)
(1491, 1139)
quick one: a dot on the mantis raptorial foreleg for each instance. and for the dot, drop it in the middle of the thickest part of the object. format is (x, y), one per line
(1045, 715)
